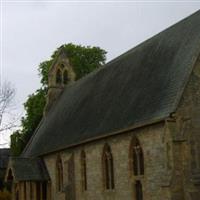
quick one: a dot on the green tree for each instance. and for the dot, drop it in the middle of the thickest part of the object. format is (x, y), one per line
(17, 143)
(83, 59)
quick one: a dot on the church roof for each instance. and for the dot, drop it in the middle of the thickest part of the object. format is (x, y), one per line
(25, 169)
(4, 156)
(142, 86)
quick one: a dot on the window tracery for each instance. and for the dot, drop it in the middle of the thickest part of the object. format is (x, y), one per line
(58, 76)
(136, 157)
(84, 170)
(62, 76)
(108, 168)
(65, 77)
(137, 166)
(59, 173)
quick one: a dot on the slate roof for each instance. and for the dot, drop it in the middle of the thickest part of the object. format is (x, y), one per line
(139, 87)
(4, 157)
(25, 169)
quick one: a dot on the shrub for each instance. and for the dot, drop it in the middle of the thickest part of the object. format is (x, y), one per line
(5, 195)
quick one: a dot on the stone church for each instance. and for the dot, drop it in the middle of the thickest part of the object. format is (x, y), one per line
(128, 131)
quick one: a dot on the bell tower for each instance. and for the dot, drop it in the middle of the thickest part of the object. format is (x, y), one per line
(60, 74)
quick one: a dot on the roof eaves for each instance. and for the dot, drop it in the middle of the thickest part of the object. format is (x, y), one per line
(106, 135)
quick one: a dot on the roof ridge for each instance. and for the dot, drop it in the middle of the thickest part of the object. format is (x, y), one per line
(145, 41)
(148, 83)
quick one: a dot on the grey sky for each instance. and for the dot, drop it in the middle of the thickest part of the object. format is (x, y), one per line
(32, 30)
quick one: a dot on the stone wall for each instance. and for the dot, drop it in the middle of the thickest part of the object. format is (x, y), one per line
(171, 157)
(151, 139)
(186, 142)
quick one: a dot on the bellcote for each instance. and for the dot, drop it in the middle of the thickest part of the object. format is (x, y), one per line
(60, 74)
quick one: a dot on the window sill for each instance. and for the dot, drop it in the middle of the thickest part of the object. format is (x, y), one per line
(109, 191)
(137, 177)
(60, 192)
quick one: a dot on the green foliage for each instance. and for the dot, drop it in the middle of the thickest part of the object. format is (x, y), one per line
(83, 59)
(34, 107)
(17, 143)
(34, 110)
(43, 71)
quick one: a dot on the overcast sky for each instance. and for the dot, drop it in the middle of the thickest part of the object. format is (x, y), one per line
(32, 30)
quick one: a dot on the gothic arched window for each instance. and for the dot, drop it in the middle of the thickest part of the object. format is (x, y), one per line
(31, 190)
(10, 176)
(108, 171)
(138, 190)
(58, 76)
(83, 171)
(25, 190)
(59, 174)
(44, 191)
(136, 157)
(194, 149)
(38, 191)
(65, 77)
